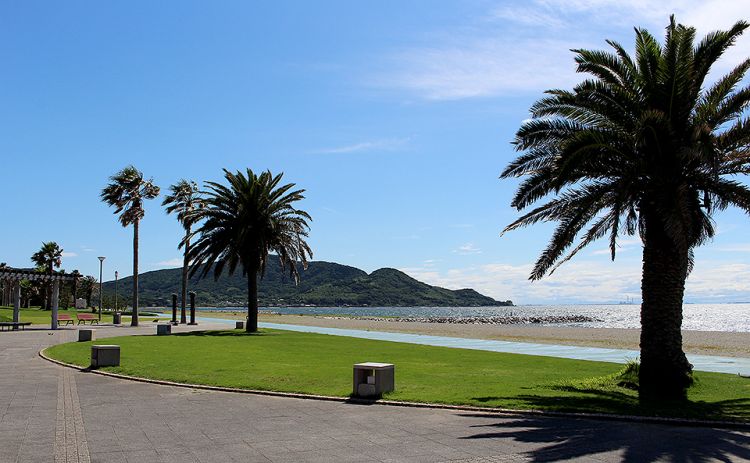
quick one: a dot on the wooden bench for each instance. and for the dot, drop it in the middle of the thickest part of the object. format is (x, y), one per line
(87, 317)
(13, 325)
(63, 317)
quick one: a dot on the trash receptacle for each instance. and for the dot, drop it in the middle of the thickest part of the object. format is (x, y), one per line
(117, 318)
(372, 379)
(105, 356)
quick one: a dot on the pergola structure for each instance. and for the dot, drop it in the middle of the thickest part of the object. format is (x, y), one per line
(13, 278)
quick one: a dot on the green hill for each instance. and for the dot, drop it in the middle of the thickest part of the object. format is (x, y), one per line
(322, 284)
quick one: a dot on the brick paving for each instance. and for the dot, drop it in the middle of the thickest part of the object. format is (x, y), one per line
(50, 413)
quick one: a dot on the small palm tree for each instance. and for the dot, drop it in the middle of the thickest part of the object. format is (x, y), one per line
(184, 199)
(48, 257)
(126, 192)
(242, 223)
(87, 286)
(644, 147)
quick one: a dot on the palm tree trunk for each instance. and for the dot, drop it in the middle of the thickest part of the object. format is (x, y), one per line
(134, 318)
(665, 372)
(183, 315)
(252, 300)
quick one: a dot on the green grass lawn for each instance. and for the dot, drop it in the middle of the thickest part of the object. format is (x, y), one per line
(42, 317)
(321, 364)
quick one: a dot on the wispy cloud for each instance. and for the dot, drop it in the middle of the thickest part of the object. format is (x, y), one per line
(85, 248)
(525, 47)
(740, 247)
(468, 248)
(69, 254)
(479, 67)
(176, 262)
(389, 144)
(585, 281)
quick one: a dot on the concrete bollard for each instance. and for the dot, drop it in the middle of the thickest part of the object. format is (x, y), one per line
(163, 329)
(239, 325)
(105, 356)
(86, 335)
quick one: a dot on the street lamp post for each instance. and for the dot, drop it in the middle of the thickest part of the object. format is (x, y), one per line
(101, 265)
(116, 291)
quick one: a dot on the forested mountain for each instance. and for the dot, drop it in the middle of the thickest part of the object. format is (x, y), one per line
(322, 284)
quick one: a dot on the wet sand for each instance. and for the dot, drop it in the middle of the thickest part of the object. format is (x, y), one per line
(719, 343)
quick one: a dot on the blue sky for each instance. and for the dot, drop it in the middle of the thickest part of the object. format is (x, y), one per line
(396, 117)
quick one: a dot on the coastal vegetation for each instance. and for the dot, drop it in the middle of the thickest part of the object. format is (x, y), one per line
(321, 284)
(47, 259)
(126, 192)
(321, 364)
(644, 147)
(243, 222)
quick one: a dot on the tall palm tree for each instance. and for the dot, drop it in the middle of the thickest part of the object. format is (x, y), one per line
(242, 223)
(74, 285)
(126, 192)
(48, 257)
(644, 146)
(185, 199)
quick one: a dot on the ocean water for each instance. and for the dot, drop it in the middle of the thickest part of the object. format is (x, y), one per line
(704, 317)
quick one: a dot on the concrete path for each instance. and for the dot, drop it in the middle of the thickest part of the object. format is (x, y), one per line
(55, 414)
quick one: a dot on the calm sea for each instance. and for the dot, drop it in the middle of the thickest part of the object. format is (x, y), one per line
(705, 317)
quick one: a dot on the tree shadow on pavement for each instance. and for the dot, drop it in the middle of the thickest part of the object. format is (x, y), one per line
(557, 438)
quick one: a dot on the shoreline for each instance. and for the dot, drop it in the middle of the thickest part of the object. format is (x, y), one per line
(719, 343)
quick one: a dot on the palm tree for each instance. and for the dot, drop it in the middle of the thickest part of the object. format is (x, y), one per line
(126, 192)
(242, 223)
(87, 286)
(645, 146)
(184, 199)
(74, 285)
(48, 257)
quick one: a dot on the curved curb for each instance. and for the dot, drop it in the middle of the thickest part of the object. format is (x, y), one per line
(396, 403)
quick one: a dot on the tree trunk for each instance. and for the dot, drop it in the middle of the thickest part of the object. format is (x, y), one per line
(183, 316)
(134, 318)
(252, 300)
(665, 372)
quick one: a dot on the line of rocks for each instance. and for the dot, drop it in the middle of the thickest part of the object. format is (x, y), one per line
(499, 320)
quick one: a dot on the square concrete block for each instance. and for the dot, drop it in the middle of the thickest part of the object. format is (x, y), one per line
(163, 329)
(86, 335)
(372, 379)
(239, 325)
(105, 356)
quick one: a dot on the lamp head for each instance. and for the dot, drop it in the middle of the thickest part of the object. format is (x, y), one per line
(101, 258)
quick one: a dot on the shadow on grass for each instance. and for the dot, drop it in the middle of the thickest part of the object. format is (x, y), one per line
(615, 402)
(570, 439)
(225, 334)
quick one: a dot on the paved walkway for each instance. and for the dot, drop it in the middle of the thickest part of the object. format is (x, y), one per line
(55, 414)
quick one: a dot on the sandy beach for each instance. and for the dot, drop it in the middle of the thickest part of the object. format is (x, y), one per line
(720, 343)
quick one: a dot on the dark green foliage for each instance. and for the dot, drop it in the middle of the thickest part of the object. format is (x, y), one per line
(242, 222)
(643, 147)
(322, 283)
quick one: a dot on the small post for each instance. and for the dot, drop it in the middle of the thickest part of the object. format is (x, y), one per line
(116, 275)
(174, 309)
(101, 266)
(192, 308)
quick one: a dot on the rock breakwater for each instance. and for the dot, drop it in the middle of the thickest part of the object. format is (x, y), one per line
(499, 320)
